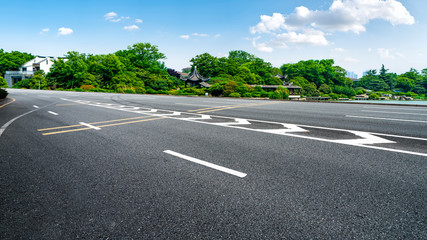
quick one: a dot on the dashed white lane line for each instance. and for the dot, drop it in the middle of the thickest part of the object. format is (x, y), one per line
(53, 113)
(405, 113)
(35, 106)
(388, 119)
(88, 125)
(207, 164)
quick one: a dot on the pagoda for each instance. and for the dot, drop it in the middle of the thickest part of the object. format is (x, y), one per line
(196, 79)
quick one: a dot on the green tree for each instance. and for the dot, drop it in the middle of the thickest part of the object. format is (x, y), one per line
(3, 83)
(38, 81)
(12, 61)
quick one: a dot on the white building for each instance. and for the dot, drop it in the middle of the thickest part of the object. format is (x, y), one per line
(28, 69)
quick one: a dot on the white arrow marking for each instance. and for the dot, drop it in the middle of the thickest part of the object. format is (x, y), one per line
(238, 121)
(367, 138)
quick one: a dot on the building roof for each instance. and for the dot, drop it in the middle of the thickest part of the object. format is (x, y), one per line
(195, 77)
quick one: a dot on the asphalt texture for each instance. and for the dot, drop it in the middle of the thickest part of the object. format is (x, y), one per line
(98, 169)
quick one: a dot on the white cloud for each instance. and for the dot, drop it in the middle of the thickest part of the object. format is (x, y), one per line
(262, 47)
(269, 24)
(200, 35)
(385, 53)
(305, 26)
(309, 37)
(109, 16)
(186, 37)
(44, 30)
(217, 35)
(131, 28)
(138, 20)
(65, 31)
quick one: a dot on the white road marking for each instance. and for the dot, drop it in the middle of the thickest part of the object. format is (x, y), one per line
(400, 108)
(421, 114)
(207, 164)
(389, 119)
(53, 113)
(88, 125)
(365, 142)
(238, 121)
(367, 138)
(35, 106)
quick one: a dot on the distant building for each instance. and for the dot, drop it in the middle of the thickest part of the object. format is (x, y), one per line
(28, 69)
(351, 75)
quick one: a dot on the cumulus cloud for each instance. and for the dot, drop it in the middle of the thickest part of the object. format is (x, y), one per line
(110, 16)
(186, 37)
(65, 31)
(307, 26)
(138, 20)
(131, 28)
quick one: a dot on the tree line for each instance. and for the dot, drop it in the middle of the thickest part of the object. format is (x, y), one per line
(139, 69)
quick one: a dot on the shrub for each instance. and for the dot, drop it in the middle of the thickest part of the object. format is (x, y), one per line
(87, 87)
(248, 95)
(151, 91)
(78, 90)
(128, 90)
(334, 96)
(234, 94)
(97, 90)
(3, 93)
(374, 96)
(3, 82)
(24, 83)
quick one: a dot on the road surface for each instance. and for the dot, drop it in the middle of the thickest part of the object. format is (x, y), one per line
(116, 166)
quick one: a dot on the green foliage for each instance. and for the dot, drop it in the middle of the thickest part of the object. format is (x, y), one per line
(374, 96)
(3, 93)
(38, 81)
(324, 88)
(316, 71)
(3, 83)
(234, 94)
(12, 61)
(24, 83)
(217, 89)
(280, 93)
(230, 87)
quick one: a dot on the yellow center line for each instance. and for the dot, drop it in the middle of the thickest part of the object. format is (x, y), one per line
(13, 100)
(236, 106)
(71, 130)
(71, 126)
(195, 110)
(108, 125)
(145, 120)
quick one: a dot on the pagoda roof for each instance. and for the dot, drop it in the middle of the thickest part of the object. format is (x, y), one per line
(195, 77)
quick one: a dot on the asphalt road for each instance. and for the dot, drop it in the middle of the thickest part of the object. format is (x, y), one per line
(115, 166)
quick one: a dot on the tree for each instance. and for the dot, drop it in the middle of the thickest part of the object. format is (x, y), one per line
(38, 81)
(404, 83)
(3, 83)
(12, 61)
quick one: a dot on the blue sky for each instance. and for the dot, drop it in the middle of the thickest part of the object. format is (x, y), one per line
(358, 34)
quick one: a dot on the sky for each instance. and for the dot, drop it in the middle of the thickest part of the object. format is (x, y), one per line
(358, 34)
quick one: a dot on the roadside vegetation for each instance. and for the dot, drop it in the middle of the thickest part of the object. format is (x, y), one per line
(139, 69)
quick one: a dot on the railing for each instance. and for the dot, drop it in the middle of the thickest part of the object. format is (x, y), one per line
(20, 72)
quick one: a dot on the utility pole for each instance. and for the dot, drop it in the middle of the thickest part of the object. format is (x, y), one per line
(39, 85)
